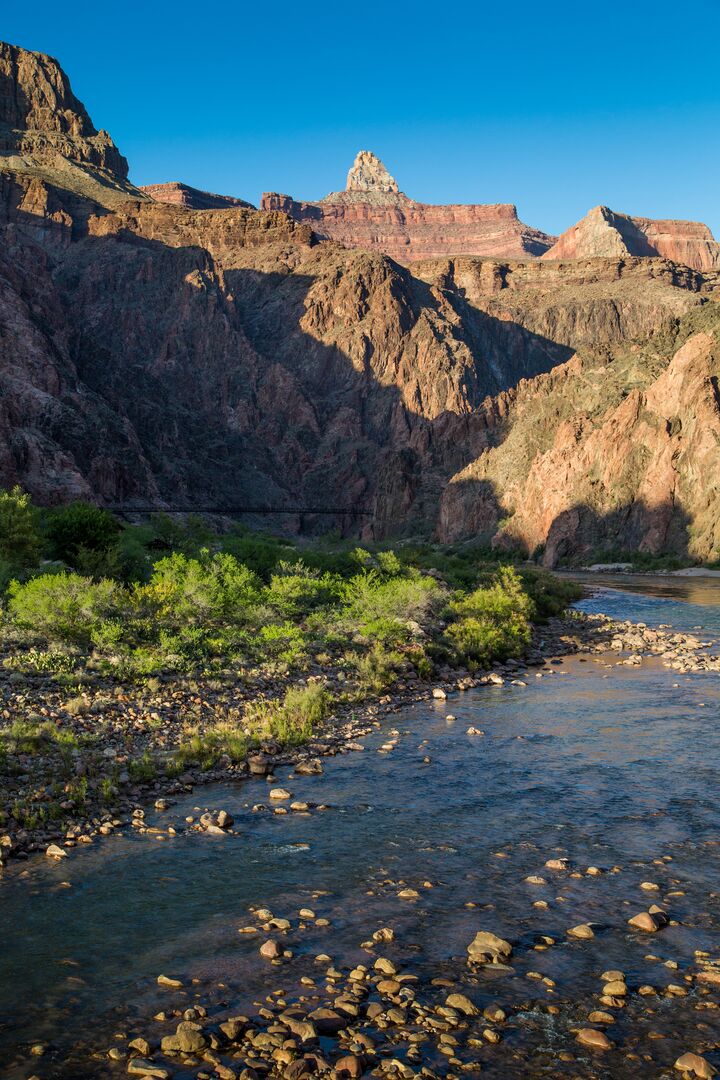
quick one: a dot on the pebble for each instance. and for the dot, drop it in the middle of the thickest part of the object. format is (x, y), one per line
(141, 1067)
(583, 931)
(646, 921)
(270, 949)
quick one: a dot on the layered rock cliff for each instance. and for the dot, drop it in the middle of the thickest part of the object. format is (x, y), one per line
(183, 195)
(372, 213)
(603, 232)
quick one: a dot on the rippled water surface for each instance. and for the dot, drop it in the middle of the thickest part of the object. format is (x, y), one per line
(614, 767)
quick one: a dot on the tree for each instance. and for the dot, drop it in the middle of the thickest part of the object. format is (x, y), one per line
(20, 542)
(80, 526)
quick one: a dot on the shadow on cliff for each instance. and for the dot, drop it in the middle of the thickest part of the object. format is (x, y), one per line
(578, 535)
(581, 533)
(224, 399)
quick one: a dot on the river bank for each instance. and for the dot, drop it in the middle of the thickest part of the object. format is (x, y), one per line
(139, 731)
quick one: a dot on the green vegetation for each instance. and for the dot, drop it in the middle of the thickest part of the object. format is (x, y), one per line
(235, 640)
(91, 595)
(113, 612)
(20, 543)
(639, 560)
(288, 722)
(492, 622)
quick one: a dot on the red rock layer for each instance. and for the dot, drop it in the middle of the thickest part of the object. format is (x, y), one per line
(603, 232)
(183, 195)
(408, 231)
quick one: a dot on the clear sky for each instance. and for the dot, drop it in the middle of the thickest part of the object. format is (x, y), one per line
(556, 106)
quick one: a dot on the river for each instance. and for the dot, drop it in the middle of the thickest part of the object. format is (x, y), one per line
(611, 767)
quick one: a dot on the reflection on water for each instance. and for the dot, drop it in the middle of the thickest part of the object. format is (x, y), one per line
(612, 767)
(685, 603)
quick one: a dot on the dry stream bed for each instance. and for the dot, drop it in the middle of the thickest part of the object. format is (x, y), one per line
(321, 924)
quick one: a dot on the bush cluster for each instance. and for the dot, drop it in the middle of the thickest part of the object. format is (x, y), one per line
(85, 592)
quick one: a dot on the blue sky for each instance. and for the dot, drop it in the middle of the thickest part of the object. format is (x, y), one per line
(556, 107)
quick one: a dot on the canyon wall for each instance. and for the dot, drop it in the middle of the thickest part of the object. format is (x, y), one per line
(183, 195)
(166, 354)
(604, 455)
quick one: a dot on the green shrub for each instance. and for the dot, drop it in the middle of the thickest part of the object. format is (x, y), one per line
(65, 607)
(45, 661)
(296, 590)
(406, 600)
(492, 623)
(197, 592)
(294, 720)
(20, 541)
(258, 552)
(284, 643)
(142, 770)
(376, 669)
(550, 594)
(80, 526)
(207, 747)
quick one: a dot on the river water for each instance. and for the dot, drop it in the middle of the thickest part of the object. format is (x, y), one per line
(612, 767)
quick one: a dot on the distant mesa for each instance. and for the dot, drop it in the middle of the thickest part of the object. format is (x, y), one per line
(603, 233)
(373, 213)
(193, 198)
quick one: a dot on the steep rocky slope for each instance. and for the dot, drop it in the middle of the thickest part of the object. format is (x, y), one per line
(373, 213)
(46, 132)
(603, 232)
(154, 352)
(607, 453)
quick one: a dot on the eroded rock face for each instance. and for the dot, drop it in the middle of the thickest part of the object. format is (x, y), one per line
(603, 232)
(46, 132)
(613, 452)
(369, 174)
(40, 115)
(373, 213)
(183, 195)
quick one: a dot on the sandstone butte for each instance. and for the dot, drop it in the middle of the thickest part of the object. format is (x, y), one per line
(602, 232)
(158, 353)
(373, 213)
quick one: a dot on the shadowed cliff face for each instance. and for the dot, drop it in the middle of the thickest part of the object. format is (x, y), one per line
(619, 455)
(237, 356)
